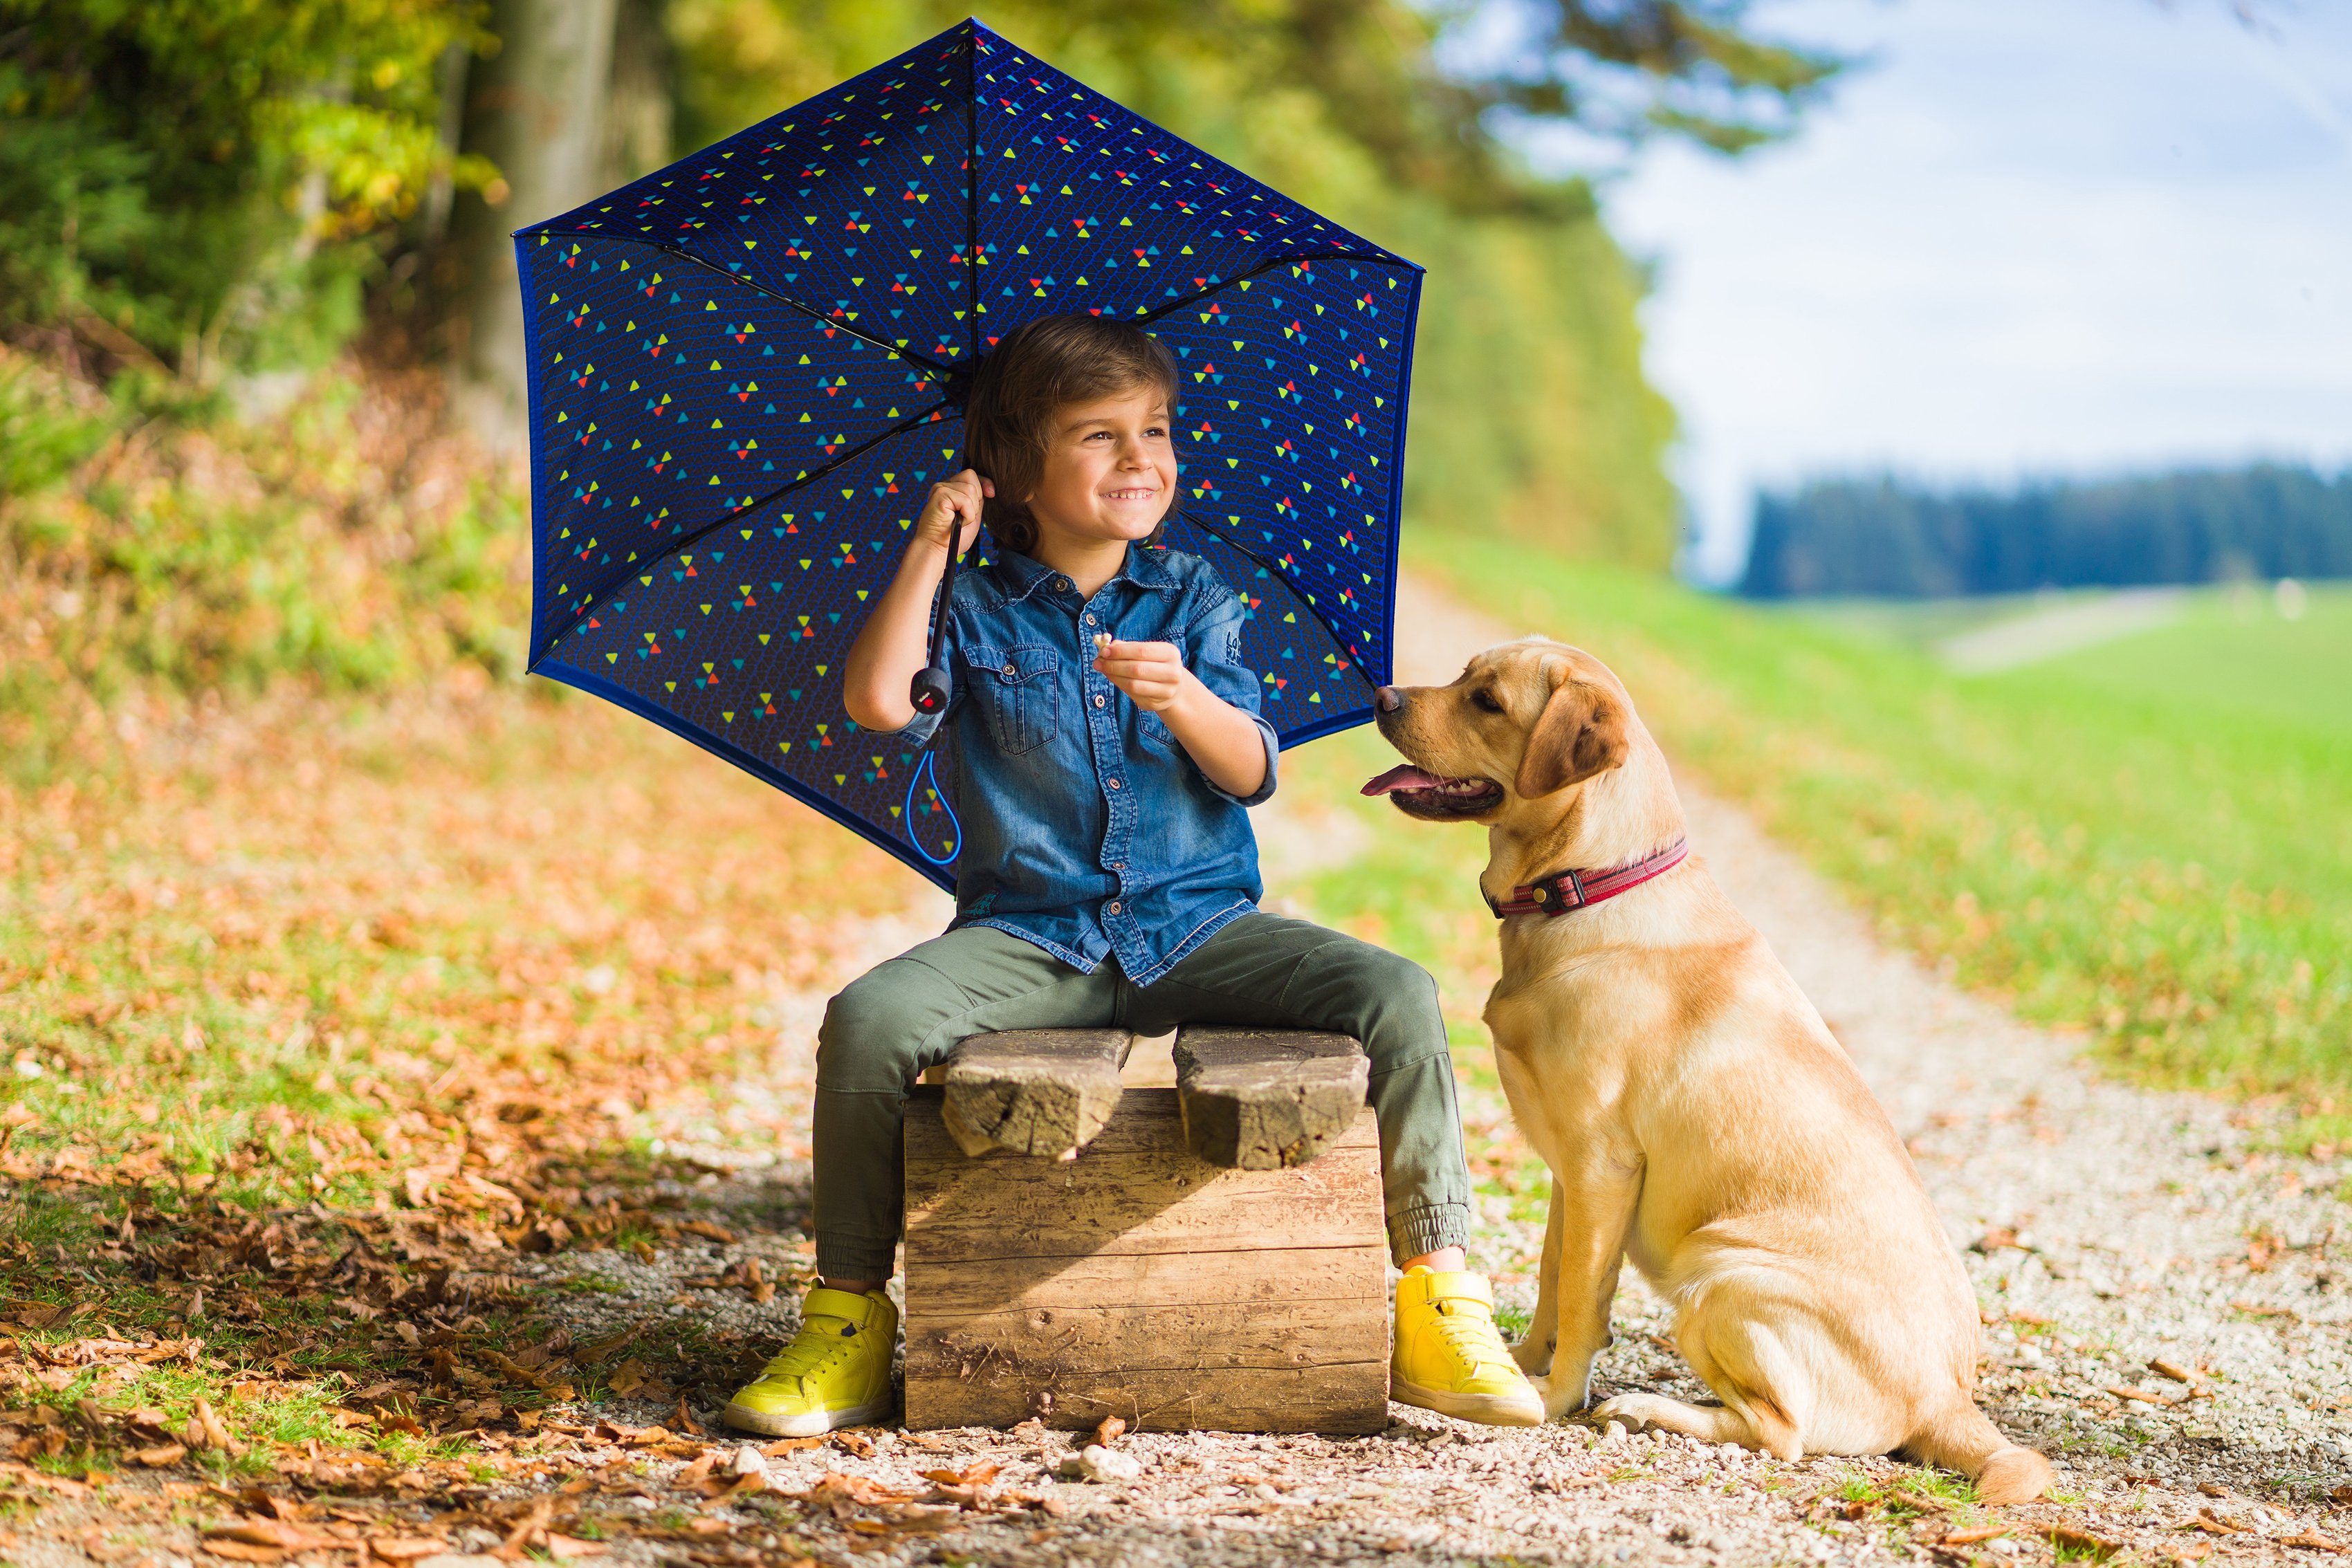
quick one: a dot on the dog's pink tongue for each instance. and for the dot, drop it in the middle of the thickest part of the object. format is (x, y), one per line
(1404, 777)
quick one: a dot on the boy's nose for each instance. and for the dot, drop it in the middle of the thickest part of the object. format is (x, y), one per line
(1389, 699)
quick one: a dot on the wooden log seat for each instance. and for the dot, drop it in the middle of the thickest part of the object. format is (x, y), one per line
(1262, 1100)
(1075, 1266)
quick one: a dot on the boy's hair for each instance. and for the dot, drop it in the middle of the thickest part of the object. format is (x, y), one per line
(1040, 367)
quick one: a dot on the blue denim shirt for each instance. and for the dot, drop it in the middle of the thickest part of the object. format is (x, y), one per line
(1087, 827)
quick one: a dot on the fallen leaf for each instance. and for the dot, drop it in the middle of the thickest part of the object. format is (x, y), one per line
(1112, 1428)
(855, 1442)
(2125, 1391)
(240, 1552)
(2172, 1369)
(1974, 1534)
(161, 1454)
(2082, 1540)
(2312, 1541)
(563, 1548)
(405, 1548)
(783, 1445)
(2206, 1520)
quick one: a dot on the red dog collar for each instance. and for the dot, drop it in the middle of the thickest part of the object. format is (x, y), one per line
(1566, 889)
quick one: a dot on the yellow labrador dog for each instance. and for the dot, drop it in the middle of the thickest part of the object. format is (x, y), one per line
(1696, 1114)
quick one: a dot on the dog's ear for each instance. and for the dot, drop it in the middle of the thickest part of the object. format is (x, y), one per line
(1582, 732)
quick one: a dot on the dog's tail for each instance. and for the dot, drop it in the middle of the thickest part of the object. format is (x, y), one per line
(1962, 1440)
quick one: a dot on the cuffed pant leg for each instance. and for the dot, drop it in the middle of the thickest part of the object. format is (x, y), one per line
(879, 1035)
(1266, 969)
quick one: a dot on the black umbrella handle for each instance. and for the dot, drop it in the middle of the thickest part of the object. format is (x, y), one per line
(929, 692)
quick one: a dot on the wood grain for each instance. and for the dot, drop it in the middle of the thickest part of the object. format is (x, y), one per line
(1266, 1099)
(1137, 1189)
(1033, 1091)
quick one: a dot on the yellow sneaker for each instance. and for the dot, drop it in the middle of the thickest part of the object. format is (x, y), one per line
(836, 1372)
(1450, 1359)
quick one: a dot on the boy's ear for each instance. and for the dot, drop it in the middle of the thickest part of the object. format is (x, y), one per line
(1582, 732)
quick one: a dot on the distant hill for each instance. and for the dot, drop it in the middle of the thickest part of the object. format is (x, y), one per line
(1887, 538)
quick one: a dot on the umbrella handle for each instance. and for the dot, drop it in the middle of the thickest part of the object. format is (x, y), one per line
(930, 690)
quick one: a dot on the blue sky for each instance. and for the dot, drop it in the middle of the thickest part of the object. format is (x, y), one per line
(2024, 237)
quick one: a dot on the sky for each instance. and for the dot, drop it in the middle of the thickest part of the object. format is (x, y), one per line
(2022, 238)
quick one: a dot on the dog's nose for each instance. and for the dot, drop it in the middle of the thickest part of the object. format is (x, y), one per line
(1389, 699)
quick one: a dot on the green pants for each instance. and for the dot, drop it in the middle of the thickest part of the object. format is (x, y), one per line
(910, 1013)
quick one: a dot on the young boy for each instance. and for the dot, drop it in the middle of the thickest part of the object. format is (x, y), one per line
(1107, 739)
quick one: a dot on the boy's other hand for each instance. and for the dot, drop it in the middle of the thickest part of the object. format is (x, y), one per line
(1152, 674)
(955, 502)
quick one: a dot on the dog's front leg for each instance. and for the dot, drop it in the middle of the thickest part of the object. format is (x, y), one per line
(1535, 1352)
(1593, 1209)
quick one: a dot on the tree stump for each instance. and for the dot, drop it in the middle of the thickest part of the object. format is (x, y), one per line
(1140, 1281)
(1264, 1100)
(1033, 1091)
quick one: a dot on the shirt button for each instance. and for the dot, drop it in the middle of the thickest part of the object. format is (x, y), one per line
(1114, 783)
(1112, 908)
(1090, 620)
(1062, 583)
(1011, 669)
(1118, 866)
(1098, 701)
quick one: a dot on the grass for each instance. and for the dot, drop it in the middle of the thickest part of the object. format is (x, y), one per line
(2106, 842)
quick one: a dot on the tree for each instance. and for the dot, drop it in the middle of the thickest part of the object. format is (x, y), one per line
(535, 108)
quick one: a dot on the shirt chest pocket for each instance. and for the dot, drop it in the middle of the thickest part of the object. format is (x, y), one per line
(1019, 688)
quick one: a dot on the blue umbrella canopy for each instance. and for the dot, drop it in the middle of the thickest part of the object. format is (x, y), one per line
(747, 368)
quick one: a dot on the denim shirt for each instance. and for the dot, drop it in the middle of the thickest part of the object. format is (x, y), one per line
(1087, 827)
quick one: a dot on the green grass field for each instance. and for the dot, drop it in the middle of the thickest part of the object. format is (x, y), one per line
(2149, 840)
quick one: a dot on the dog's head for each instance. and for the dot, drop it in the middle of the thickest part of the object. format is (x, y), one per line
(1522, 722)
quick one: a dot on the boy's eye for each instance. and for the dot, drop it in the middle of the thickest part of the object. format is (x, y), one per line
(1484, 701)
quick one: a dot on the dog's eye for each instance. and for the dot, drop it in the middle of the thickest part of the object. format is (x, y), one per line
(1484, 701)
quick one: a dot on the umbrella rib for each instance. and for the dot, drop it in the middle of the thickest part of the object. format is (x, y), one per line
(810, 478)
(811, 311)
(1265, 267)
(972, 198)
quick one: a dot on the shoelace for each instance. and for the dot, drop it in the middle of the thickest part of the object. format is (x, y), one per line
(1471, 1335)
(812, 1351)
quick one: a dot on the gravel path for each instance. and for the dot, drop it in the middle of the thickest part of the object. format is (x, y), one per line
(2107, 1230)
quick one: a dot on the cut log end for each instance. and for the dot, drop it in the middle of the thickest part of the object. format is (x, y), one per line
(1041, 1091)
(1266, 1099)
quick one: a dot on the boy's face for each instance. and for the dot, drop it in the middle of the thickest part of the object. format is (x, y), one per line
(1110, 468)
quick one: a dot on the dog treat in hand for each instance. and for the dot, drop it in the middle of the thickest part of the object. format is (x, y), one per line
(1102, 643)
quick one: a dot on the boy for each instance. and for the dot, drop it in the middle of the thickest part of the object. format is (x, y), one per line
(1107, 741)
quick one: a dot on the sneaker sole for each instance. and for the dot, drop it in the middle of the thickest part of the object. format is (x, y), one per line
(1486, 1409)
(814, 1424)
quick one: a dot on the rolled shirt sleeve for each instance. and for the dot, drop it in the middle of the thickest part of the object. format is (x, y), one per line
(1213, 646)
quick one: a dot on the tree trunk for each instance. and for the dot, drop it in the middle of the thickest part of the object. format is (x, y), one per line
(638, 110)
(535, 108)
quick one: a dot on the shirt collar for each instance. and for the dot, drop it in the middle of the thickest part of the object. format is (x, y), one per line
(1020, 576)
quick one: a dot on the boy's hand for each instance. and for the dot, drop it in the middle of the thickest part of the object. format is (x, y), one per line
(953, 502)
(1152, 674)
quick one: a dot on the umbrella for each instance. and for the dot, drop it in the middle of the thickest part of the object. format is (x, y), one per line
(747, 368)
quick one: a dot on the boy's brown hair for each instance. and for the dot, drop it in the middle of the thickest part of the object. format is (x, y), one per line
(1042, 366)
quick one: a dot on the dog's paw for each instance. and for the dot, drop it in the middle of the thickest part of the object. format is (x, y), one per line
(1633, 1411)
(1562, 1394)
(1534, 1356)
